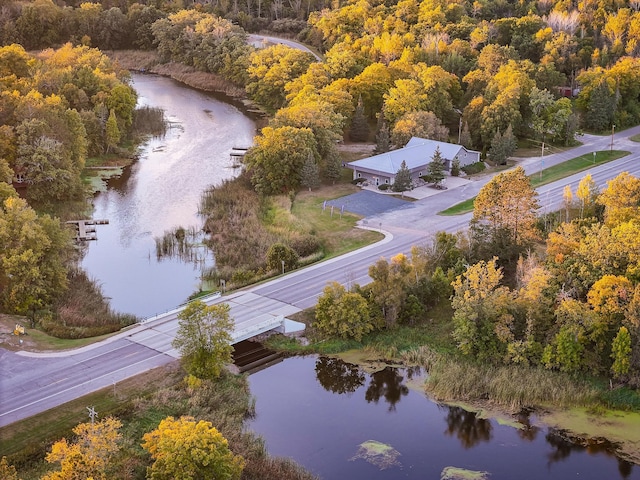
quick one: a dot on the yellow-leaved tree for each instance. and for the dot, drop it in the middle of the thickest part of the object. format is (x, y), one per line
(184, 449)
(90, 455)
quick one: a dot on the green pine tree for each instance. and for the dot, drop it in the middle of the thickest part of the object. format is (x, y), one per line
(359, 131)
(402, 181)
(435, 169)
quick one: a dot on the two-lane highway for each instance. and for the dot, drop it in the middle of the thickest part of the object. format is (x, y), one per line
(30, 384)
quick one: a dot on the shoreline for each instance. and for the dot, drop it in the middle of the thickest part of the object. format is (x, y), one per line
(149, 62)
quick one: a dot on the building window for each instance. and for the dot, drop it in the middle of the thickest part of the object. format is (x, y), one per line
(359, 175)
(386, 180)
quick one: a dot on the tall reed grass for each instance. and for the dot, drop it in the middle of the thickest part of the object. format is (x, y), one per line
(149, 121)
(512, 387)
(84, 311)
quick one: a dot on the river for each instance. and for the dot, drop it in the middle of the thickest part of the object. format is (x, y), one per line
(319, 410)
(159, 192)
(316, 410)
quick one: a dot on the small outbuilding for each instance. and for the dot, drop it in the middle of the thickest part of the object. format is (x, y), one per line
(417, 154)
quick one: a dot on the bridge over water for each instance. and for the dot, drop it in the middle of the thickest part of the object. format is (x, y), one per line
(252, 314)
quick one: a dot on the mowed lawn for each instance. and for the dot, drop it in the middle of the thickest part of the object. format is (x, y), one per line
(551, 174)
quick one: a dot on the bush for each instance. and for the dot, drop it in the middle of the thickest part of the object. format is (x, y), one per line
(278, 253)
(384, 186)
(474, 168)
(357, 181)
(287, 25)
(305, 245)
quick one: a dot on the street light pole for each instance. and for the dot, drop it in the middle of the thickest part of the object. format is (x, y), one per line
(613, 129)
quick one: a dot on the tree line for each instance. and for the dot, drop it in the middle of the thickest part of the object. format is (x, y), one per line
(569, 300)
(57, 108)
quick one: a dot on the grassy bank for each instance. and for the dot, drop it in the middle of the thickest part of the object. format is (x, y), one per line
(242, 226)
(141, 403)
(551, 174)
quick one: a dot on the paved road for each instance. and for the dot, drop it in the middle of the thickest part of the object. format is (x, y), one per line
(261, 41)
(35, 383)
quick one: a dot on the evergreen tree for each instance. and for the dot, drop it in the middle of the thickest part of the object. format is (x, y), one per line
(465, 136)
(310, 175)
(402, 181)
(601, 108)
(455, 167)
(333, 164)
(435, 169)
(383, 142)
(503, 146)
(359, 131)
(112, 131)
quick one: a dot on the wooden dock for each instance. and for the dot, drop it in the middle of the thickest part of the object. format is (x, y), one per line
(85, 229)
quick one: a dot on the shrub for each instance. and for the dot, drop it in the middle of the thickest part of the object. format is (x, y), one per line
(305, 245)
(384, 186)
(357, 181)
(474, 168)
(278, 253)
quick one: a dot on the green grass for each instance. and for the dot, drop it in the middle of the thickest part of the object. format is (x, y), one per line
(575, 165)
(635, 138)
(551, 174)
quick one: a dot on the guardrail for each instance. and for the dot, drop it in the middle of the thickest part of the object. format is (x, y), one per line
(178, 309)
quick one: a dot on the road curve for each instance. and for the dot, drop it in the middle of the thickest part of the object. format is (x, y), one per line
(31, 384)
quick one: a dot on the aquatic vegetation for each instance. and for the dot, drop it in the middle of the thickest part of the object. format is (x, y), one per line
(379, 454)
(455, 473)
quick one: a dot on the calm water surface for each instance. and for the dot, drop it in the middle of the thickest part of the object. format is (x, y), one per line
(318, 411)
(160, 192)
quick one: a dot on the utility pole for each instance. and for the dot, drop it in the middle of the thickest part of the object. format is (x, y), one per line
(613, 129)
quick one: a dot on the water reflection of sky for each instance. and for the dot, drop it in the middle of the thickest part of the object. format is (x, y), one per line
(162, 191)
(319, 410)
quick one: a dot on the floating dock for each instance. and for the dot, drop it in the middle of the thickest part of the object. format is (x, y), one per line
(85, 229)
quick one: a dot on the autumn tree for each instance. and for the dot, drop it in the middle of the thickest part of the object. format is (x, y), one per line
(275, 161)
(7, 471)
(481, 316)
(418, 124)
(270, 69)
(204, 338)
(504, 214)
(621, 199)
(388, 286)
(184, 449)
(621, 353)
(343, 314)
(89, 457)
(33, 252)
(587, 194)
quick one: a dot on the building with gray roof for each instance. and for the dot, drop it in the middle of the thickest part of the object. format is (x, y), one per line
(417, 154)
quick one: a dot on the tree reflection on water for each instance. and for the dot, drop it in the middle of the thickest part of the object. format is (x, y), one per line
(386, 383)
(337, 376)
(467, 427)
(564, 444)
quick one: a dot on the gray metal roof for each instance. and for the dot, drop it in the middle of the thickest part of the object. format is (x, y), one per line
(417, 153)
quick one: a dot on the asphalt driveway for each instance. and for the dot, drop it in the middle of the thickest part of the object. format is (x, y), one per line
(367, 203)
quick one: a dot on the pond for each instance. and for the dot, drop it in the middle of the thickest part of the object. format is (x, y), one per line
(321, 412)
(160, 192)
